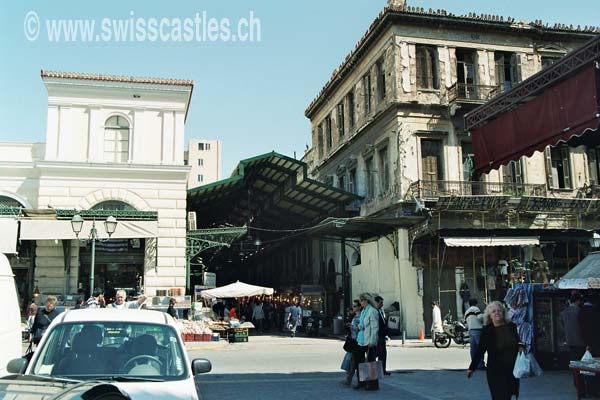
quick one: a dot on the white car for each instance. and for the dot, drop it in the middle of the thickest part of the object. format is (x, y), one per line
(139, 351)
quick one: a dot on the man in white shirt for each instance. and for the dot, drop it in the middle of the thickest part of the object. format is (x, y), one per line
(436, 316)
(474, 318)
(120, 302)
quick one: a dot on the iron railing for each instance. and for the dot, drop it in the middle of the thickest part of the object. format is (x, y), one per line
(429, 190)
(471, 92)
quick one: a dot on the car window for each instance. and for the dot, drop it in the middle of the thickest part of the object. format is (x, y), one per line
(90, 350)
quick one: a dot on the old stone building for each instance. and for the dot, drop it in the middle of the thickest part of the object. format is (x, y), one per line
(389, 126)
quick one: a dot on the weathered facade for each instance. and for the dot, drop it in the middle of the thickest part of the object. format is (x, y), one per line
(389, 126)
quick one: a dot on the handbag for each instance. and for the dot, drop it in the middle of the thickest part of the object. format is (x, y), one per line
(350, 345)
(370, 371)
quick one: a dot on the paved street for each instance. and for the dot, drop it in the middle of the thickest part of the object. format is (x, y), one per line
(275, 367)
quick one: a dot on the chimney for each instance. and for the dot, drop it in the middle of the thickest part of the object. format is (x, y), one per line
(397, 3)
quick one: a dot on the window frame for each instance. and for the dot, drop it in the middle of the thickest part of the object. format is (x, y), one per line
(380, 68)
(341, 123)
(564, 157)
(117, 130)
(351, 109)
(328, 133)
(427, 67)
(367, 92)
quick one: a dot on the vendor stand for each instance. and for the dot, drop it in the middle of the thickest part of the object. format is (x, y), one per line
(234, 331)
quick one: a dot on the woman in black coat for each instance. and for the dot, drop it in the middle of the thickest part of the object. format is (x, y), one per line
(43, 318)
(499, 338)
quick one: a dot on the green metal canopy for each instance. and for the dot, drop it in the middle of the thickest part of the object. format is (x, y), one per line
(272, 190)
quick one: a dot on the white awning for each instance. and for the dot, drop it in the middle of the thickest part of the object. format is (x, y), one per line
(491, 241)
(48, 229)
(8, 235)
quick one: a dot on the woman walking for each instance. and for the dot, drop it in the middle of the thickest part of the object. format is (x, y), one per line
(354, 323)
(368, 329)
(499, 338)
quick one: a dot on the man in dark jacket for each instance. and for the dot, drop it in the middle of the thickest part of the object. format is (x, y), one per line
(171, 310)
(382, 333)
(43, 318)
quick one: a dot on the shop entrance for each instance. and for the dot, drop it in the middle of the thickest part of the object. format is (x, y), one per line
(119, 265)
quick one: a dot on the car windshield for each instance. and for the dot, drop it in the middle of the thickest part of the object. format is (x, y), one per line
(111, 350)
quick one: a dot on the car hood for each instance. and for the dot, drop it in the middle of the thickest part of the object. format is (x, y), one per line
(173, 390)
(19, 387)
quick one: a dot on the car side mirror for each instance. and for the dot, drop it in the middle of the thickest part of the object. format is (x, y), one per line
(17, 366)
(201, 366)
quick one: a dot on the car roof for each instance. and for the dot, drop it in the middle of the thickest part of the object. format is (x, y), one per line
(116, 315)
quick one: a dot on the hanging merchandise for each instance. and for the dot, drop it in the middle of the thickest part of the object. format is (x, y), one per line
(520, 312)
(503, 266)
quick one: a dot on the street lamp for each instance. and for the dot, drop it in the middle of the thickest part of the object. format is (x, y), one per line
(110, 225)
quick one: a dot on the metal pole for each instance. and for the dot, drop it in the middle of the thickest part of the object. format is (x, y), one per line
(93, 236)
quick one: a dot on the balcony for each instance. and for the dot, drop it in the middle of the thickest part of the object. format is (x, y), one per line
(471, 93)
(432, 190)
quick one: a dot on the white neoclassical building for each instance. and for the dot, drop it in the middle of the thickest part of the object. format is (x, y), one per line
(114, 146)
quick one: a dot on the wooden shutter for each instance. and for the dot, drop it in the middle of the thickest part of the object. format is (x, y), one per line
(548, 156)
(592, 166)
(516, 70)
(420, 67)
(564, 153)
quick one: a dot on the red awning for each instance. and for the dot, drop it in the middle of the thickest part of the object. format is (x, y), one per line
(561, 112)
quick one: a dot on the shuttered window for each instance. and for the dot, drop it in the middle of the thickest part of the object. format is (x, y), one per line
(427, 68)
(341, 122)
(558, 167)
(593, 156)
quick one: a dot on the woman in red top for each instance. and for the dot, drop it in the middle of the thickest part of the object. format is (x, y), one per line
(232, 313)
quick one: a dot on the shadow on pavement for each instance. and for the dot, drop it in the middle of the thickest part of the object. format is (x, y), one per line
(402, 384)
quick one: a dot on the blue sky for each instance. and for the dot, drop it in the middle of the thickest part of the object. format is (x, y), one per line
(252, 96)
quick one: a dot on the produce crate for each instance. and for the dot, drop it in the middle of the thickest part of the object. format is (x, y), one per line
(234, 339)
(238, 335)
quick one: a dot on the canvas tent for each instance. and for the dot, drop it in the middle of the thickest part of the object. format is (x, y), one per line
(585, 275)
(237, 289)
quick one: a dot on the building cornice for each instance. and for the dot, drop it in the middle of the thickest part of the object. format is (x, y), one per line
(439, 18)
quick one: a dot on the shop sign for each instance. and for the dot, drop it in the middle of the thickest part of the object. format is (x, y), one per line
(464, 203)
(571, 206)
(209, 279)
(311, 289)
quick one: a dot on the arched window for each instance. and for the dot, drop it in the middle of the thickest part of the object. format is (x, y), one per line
(6, 201)
(116, 139)
(113, 205)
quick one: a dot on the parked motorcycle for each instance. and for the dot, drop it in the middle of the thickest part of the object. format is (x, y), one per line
(453, 330)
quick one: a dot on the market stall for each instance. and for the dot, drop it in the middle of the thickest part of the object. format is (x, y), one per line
(236, 290)
(585, 275)
(234, 331)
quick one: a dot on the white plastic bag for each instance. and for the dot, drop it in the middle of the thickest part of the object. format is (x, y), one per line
(536, 370)
(587, 356)
(522, 366)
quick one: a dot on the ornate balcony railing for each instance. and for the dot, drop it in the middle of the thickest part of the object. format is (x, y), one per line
(432, 190)
(471, 93)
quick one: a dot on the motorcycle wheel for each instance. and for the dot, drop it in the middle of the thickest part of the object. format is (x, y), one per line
(441, 341)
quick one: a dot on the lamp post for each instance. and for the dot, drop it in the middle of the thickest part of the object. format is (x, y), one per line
(110, 225)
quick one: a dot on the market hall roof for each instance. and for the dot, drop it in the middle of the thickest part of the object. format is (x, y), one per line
(558, 104)
(269, 190)
(441, 18)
